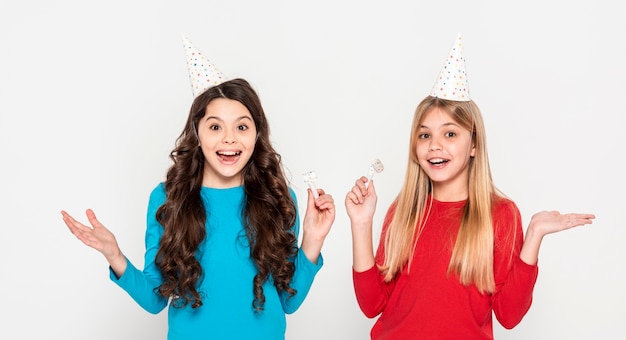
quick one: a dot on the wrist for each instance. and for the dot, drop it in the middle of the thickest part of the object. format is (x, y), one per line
(116, 259)
(117, 262)
(533, 233)
(311, 250)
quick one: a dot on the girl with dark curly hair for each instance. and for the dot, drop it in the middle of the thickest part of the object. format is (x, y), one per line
(222, 230)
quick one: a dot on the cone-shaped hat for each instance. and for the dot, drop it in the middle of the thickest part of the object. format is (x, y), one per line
(452, 81)
(202, 73)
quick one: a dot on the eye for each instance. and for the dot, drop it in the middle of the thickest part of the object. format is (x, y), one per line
(242, 127)
(450, 134)
(423, 136)
(214, 127)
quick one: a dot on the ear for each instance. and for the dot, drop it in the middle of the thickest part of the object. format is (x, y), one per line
(473, 151)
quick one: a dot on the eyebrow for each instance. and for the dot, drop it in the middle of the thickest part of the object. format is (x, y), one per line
(237, 119)
(445, 125)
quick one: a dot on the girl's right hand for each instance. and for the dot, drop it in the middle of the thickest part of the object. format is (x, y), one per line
(99, 238)
(361, 205)
(361, 202)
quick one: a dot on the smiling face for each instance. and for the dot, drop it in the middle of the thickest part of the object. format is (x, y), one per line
(227, 136)
(444, 149)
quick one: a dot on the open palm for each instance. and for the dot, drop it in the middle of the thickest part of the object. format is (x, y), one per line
(97, 236)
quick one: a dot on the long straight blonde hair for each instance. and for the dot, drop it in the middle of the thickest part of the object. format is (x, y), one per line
(472, 256)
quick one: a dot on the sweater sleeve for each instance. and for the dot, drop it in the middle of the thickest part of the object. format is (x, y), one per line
(304, 274)
(372, 293)
(515, 280)
(302, 281)
(142, 285)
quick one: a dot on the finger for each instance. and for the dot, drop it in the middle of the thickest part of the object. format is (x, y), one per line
(371, 188)
(583, 221)
(583, 216)
(353, 195)
(310, 199)
(571, 221)
(358, 195)
(85, 235)
(73, 224)
(580, 216)
(351, 198)
(91, 216)
(360, 184)
(325, 202)
(67, 217)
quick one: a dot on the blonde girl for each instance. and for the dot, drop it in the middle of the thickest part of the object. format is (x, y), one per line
(452, 251)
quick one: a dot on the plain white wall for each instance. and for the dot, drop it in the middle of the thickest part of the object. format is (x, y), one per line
(93, 95)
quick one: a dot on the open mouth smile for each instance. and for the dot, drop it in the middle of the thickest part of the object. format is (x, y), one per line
(228, 155)
(438, 161)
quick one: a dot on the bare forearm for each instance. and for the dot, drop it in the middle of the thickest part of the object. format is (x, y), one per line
(530, 249)
(362, 247)
(312, 247)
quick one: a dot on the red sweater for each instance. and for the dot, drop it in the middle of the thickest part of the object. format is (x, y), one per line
(426, 303)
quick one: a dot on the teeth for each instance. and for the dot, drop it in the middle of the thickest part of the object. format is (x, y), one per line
(437, 160)
(229, 153)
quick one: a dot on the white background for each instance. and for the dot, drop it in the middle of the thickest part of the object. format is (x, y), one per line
(93, 95)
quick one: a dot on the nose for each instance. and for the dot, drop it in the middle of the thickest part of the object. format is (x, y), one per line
(434, 145)
(229, 137)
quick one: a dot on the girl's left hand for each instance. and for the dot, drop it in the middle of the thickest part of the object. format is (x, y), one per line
(319, 217)
(548, 222)
(320, 214)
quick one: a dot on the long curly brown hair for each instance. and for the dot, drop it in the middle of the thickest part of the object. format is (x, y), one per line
(269, 211)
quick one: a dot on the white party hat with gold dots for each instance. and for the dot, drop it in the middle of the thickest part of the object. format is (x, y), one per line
(452, 81)
(202, 73)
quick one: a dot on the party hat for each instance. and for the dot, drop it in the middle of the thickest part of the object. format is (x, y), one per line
(202, 73)
(452, 81)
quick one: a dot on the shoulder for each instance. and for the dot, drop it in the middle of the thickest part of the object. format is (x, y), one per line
(292, 193)
(503, 205)
(158, 191)
(391, 211)
(505, 212)
(157, 196)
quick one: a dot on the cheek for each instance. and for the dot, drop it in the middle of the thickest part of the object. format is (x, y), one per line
(464, 151)
(249, 140)
(418, 154)
(205, 151)
(420, 149)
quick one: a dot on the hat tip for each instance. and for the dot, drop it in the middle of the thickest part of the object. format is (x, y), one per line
(452, 81)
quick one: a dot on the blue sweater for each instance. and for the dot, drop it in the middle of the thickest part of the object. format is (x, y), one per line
(226, 289)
